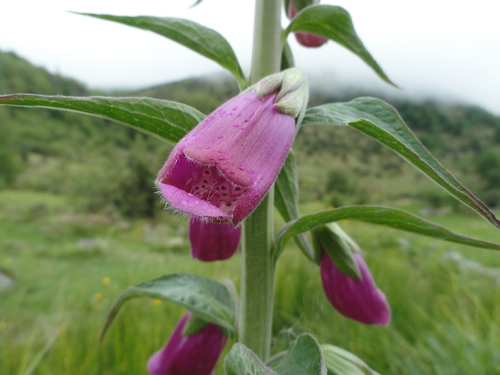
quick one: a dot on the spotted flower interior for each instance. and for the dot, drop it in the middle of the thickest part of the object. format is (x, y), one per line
(205, 182)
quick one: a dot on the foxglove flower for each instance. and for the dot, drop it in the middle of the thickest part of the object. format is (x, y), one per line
(196, 354)
(305, 39)
(223, 168)
(359, 300)
(213, 241)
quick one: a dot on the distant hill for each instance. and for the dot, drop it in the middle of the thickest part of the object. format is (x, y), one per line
(18, 75)
(203, 93)
(103, 164)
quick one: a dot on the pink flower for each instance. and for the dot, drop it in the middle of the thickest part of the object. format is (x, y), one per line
(305, 39)
(189, 355)
(359, 300)
(213, 241)
(223, 168)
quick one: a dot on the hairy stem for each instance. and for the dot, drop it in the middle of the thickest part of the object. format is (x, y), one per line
(257, 279)
(266, 54)
(257, 284)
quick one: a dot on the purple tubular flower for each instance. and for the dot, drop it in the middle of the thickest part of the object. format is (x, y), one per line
(189, 355)
(305, 39)
(223, 168)
(359, 300)
(213, 241)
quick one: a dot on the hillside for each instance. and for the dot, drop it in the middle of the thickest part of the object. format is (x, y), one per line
(96, 162)
(103, 165)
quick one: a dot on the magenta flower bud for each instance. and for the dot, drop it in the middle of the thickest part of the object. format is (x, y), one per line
(305, 39)
(359, 300)
(213, 241)
(196, 354)
(310, 40)
(223, 168)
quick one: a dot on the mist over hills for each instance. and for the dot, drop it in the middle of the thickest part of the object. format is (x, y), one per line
(105, 165)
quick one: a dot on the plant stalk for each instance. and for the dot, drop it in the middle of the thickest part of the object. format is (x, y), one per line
(257, 278)
(266, 54)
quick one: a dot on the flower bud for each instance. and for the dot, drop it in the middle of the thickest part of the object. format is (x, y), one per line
(195, 354)
(359, 300)
(224, 167)
(305, 39)
(213, 241)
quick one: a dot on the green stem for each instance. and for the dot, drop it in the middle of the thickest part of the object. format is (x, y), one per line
(257, 279)
(266, 54)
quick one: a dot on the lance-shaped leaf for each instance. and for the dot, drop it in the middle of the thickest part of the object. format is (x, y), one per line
(242, 361)
(391, 217)
(382, 122)
(341, 362)
(201, 39)
(207, 298)
(286, 198)
(303, 357)
(334, 23)
(164, 119)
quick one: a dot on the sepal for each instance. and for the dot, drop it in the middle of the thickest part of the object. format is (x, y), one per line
(292, 88)
(332, 239)
(193, 325)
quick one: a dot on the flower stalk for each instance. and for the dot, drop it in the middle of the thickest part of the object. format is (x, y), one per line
(257, 279)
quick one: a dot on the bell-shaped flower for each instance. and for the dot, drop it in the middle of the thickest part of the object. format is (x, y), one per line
(224, 167)
(305, 39)
(196, 354)
(212, 241)
(359, 300)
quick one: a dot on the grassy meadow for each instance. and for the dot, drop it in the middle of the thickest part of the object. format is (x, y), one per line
(69, 266)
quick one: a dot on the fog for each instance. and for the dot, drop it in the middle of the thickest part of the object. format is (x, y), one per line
(446, 50)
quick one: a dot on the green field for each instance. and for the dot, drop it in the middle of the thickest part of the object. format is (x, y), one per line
(69, 266)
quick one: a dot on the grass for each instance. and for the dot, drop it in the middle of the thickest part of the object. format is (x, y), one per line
(68, 268)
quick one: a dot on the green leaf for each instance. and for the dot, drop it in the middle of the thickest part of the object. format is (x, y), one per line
(242, 361)
(337, 365)
(201, 39)
(207, 298)
(382, 122)
(304, 357)
(341, 362)
(167, 120)
(334, 23)
(286, 198)
(381, 215)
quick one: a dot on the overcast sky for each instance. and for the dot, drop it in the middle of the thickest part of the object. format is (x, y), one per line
(431, 48)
